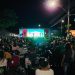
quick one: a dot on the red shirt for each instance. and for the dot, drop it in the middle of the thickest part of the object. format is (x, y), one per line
(14, 62)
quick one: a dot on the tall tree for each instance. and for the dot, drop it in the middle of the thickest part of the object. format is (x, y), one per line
(7, 18)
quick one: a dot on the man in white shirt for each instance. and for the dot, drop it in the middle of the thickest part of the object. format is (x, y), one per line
(44, 68)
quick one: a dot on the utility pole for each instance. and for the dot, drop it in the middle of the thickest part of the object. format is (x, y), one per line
(68, 15)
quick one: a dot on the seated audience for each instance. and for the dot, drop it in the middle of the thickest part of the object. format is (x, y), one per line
(44, 68)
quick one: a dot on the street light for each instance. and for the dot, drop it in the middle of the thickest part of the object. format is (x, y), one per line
(62, 21)
(54, 4)
(39, 25)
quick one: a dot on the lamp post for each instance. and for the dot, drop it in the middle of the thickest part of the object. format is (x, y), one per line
(68, 29)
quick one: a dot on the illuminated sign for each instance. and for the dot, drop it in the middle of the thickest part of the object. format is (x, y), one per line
(31, 32)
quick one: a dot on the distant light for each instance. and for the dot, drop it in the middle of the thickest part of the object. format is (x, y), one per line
(51, 33)
(74, 19)
(45, 32)
(62, 21)
(39, 25)
(12, 34)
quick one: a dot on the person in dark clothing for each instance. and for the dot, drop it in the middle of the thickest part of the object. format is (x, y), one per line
(67, 58)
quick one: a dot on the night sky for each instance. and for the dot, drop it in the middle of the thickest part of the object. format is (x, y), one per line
(31, 12)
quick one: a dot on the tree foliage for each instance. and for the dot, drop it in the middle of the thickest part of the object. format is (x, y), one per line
(7, 18)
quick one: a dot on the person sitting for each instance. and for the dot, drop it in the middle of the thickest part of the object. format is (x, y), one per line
(44, 68)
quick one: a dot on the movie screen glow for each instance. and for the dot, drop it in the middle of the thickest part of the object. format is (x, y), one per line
(31, 32)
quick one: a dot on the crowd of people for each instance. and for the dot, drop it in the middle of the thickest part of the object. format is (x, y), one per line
(21, 56)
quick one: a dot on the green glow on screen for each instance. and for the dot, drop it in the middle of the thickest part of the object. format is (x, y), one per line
(35, 32)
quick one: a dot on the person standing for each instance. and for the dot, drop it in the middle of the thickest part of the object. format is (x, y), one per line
(67, 58)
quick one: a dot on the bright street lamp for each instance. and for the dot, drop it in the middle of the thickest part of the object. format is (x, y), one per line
(54, 4)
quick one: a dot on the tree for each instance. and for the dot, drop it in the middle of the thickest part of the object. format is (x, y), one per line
(7, 18)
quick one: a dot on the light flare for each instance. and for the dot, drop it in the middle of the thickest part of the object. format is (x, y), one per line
(52, 4)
